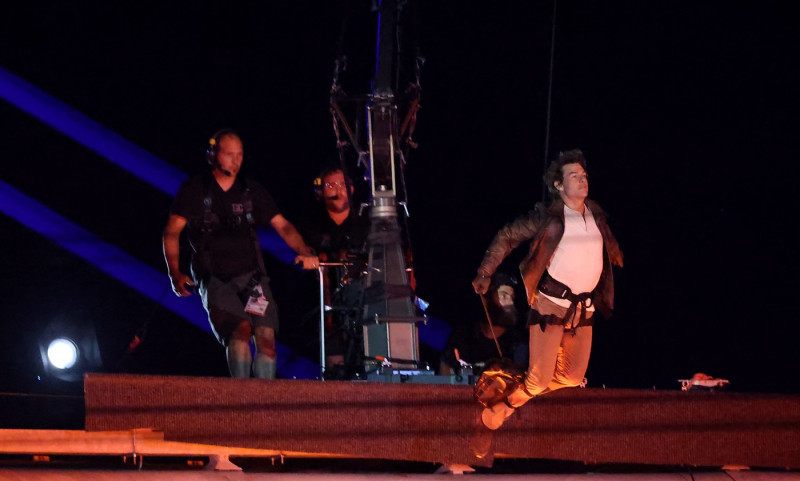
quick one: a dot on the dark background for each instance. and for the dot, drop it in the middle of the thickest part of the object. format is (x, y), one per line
(686, 111)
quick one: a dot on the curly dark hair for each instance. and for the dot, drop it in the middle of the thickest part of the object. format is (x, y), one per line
(327, 171)
(330, 170)
(554, 170)
(502, 279)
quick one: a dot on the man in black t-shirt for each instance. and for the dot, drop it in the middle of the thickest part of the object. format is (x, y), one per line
(335, 231)
(338, 234)
(220, 210)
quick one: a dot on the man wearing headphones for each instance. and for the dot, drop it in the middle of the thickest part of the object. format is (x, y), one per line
(335, 230)
(221, 211)
(337, 234)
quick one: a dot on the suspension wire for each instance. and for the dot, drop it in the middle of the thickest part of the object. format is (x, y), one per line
(549, 98)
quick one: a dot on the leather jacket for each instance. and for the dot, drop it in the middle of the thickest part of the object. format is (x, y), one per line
(545, 225)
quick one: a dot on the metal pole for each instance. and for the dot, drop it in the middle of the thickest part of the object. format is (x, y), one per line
(321, 271)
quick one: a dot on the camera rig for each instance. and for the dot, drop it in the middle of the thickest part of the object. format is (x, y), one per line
(389, 315)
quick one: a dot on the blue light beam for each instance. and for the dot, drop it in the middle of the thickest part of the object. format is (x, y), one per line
(105, 257)
(90, 134)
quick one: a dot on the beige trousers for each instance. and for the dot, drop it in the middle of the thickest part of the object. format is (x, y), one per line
(558, 359)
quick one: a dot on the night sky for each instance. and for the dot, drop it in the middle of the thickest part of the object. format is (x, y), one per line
(686, 112)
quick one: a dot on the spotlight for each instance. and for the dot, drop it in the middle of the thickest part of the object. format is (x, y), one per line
(69, 350)
(62, 353)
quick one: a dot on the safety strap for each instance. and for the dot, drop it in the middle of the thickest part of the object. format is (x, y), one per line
(248, 214)
(554, 288)
(209, 219)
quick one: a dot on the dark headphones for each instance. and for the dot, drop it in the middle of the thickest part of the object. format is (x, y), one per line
(213, 145)
(319, 187)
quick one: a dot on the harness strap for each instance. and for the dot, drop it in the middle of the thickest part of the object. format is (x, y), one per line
(210, 220)
(248, 214)
(557, 289)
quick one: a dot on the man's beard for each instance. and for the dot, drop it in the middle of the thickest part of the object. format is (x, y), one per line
(502, 316)
(336, 207)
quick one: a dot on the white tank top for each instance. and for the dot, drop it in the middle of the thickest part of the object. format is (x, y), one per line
(578, 259)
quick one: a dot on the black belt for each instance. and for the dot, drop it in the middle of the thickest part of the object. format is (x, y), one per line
(554, 288)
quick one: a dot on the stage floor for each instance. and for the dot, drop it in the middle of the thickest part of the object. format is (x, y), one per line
(433, 423)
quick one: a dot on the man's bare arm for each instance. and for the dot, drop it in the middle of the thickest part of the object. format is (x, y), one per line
(293, 239)
(171, 244)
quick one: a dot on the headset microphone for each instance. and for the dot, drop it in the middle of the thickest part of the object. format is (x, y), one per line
(319, 187)
(213, 149)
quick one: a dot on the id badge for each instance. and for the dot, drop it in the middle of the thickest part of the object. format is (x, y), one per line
(256, 302)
